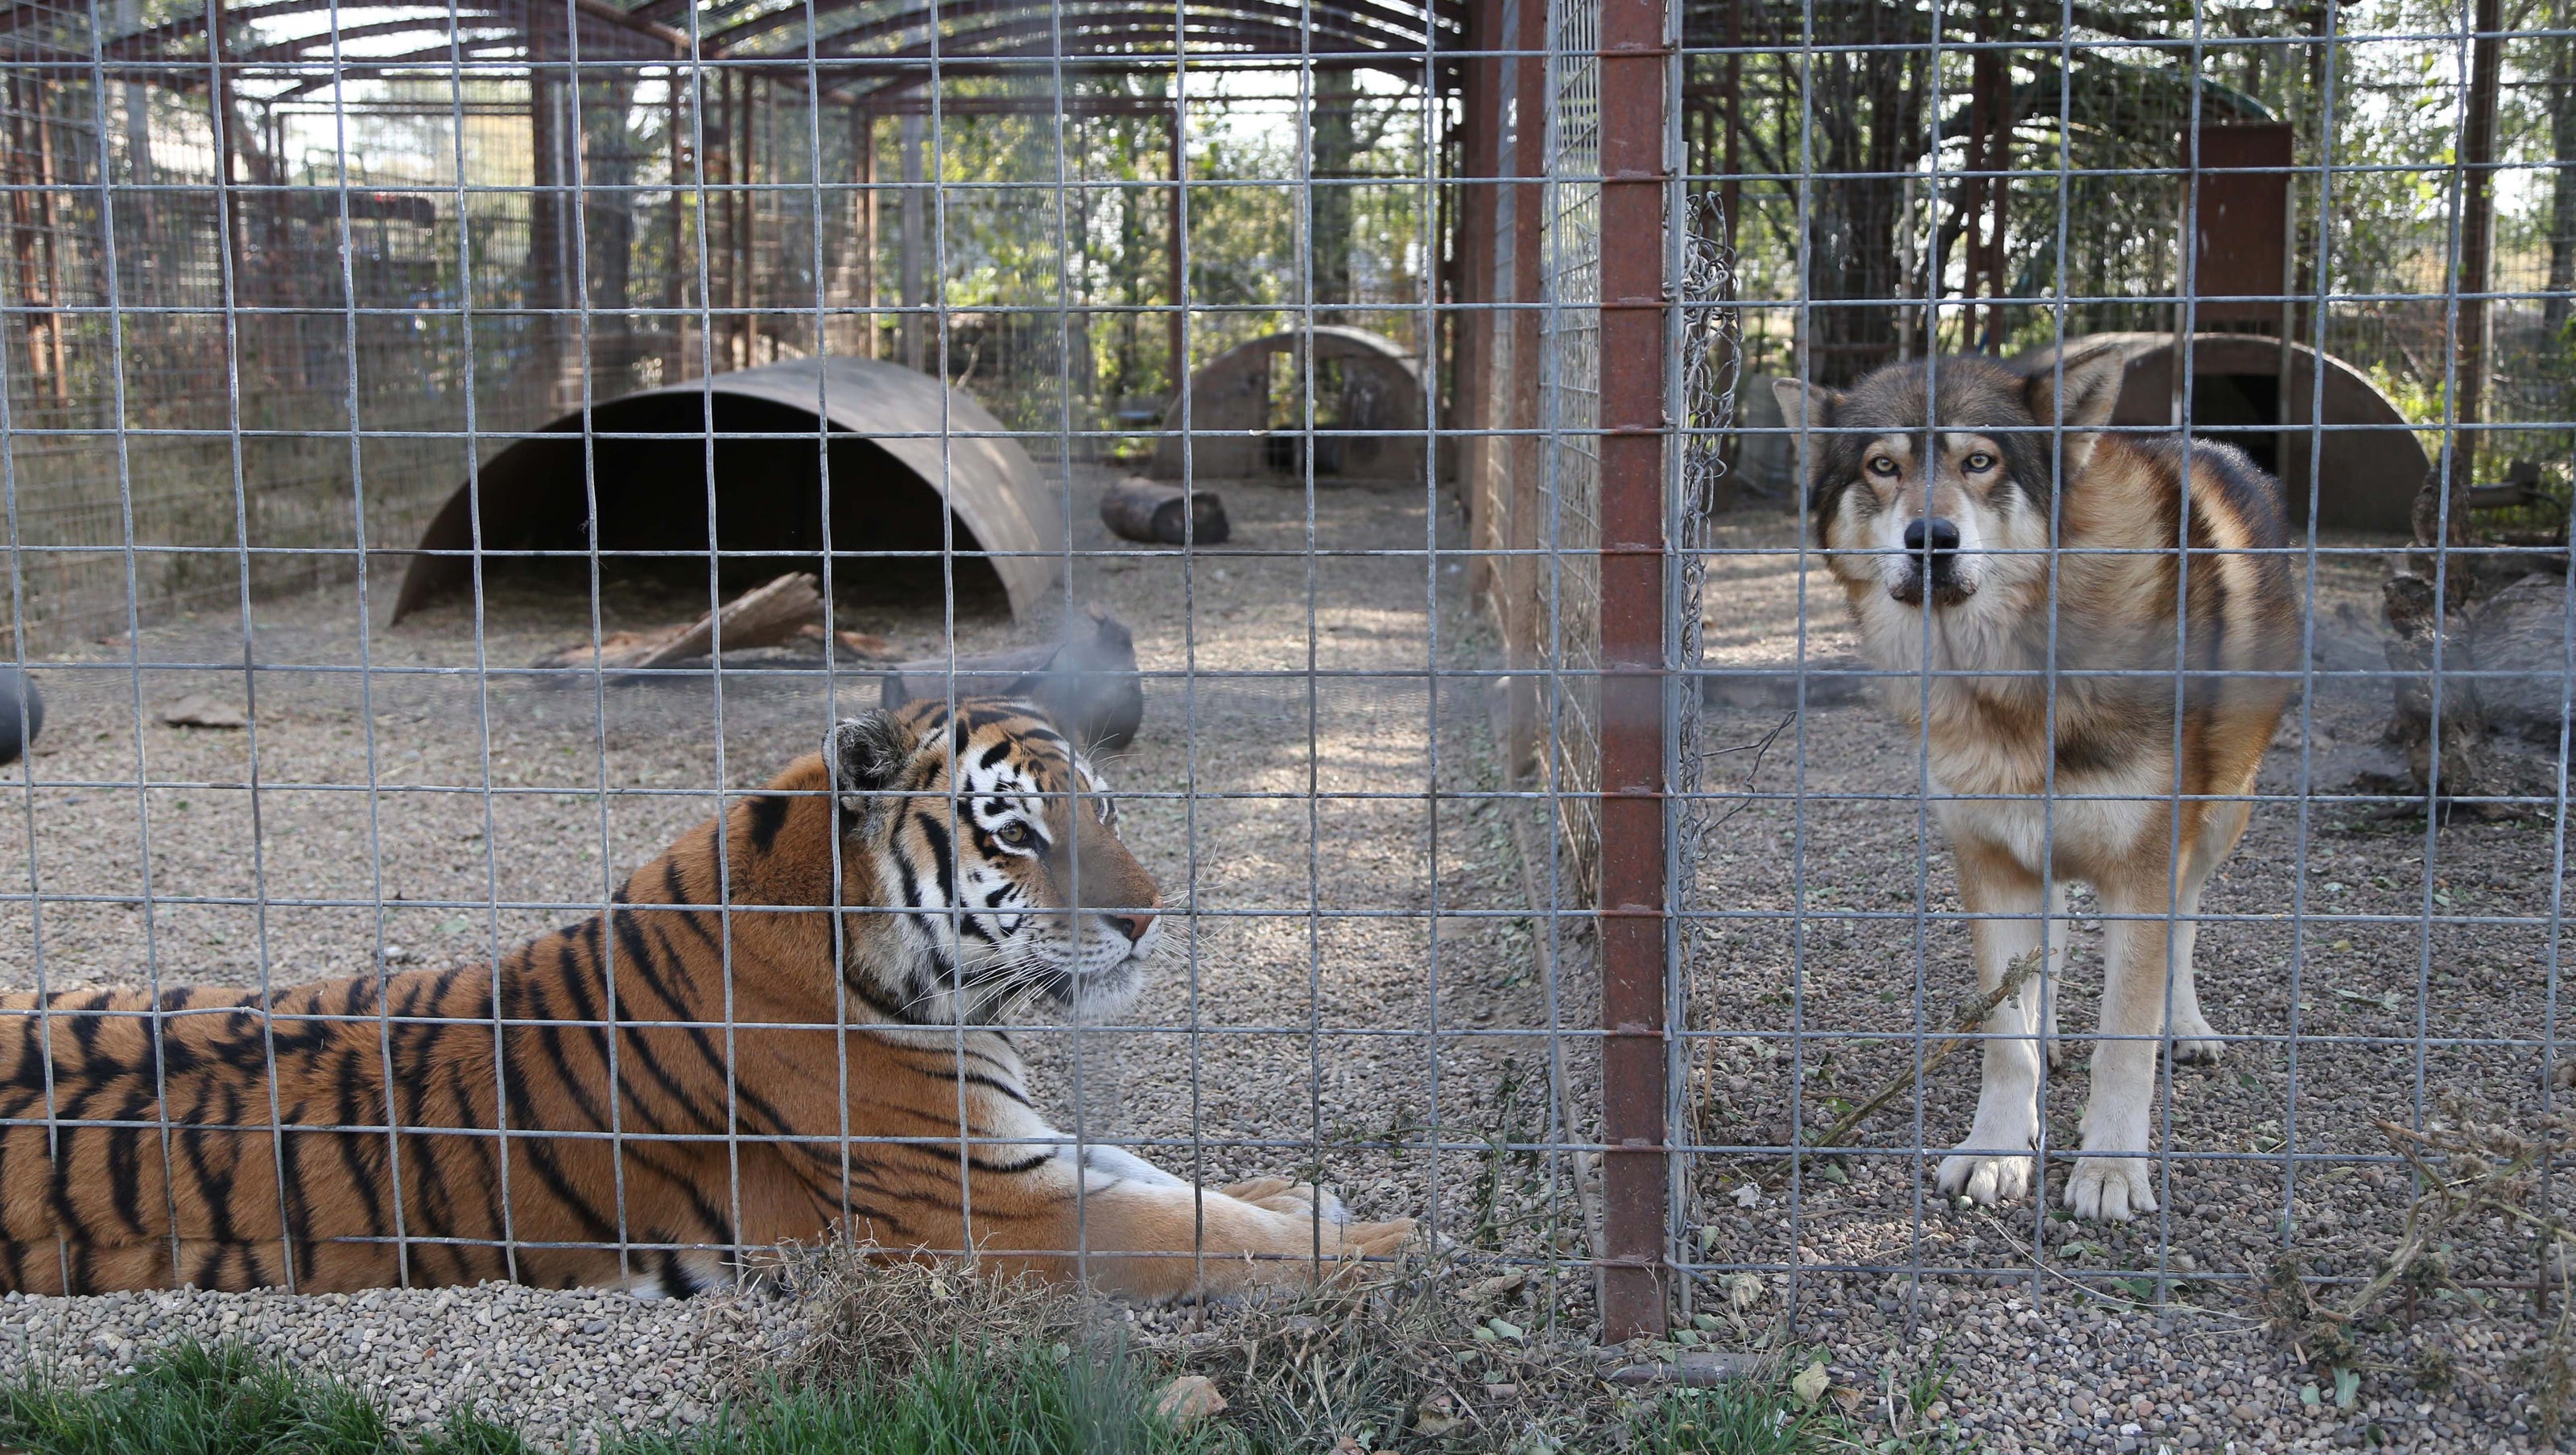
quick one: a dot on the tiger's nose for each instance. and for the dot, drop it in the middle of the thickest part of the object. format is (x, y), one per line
(1133, 926)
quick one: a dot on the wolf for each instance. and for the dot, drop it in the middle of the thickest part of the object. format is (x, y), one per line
(2099, 630)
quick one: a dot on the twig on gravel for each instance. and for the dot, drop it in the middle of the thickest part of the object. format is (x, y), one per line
(2098, 1293)
(1969, 1020)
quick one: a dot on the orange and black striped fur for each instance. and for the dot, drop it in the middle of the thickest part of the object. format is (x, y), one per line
(981, 878)
(2035, 565)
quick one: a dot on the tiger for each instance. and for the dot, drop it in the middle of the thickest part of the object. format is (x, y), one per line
(726, 1059)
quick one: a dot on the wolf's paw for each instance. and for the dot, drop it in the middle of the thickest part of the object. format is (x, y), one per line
(1984, 1178)
(2110, 1189)
(2195, 1043)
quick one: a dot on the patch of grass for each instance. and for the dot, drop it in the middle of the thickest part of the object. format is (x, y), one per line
(193, 1400)
(1746, 1418)
(1444, 1357)
(1010, 1400)
(1005, 1401)
(1762, 1417)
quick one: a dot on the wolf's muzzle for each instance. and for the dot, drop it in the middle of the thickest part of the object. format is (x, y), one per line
(1931, 557)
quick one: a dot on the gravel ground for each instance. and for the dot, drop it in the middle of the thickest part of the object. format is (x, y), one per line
(1291, 1027)
(1331, 906)
(561, 1366)
(2312, 1072)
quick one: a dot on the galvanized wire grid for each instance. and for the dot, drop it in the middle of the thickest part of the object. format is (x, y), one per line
(238, 367)
(393, 316)
(1570, 408)
(1824, 69)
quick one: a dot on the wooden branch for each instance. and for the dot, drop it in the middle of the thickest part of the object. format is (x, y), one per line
(758, 618)
(1969, 1020)
(761, 617)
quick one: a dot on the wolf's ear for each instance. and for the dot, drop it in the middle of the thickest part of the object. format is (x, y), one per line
(2083, 400)
(1804, 405)
(865, 754)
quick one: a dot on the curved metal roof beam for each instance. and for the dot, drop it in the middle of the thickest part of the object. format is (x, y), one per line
(991, 63)
(1108, 25)
(429, 60)
(304, 48)
(143, 44)
(1362, 26)
(192, 25)
(1397, 16)
(1388, 28)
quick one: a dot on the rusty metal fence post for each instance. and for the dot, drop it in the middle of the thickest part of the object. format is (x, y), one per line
(1636, 432)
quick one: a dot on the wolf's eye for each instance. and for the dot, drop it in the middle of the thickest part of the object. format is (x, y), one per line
(1882, 466)
(1978, 462)
(1016, 834)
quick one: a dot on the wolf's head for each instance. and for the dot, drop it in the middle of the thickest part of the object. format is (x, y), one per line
(1933, 478)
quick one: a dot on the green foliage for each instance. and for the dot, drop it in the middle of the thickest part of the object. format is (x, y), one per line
(1731, 1419)
(194, 1400)
(1013, 248)
(1025, 1401)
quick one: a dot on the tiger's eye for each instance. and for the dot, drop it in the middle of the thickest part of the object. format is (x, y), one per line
(1017, 834)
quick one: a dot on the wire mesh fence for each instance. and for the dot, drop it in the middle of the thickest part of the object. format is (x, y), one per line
(451, 453)
(1963, 157)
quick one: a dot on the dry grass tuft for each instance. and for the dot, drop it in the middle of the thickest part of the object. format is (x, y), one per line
(2467, 1171)
(1451, 1352)
(1441, 1346)
(868, 1314)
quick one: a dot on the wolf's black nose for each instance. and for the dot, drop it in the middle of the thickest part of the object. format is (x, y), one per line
(1936, 536)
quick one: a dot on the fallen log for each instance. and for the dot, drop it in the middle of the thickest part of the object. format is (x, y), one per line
(1163, 514)
(761, 617)
(1087, 684)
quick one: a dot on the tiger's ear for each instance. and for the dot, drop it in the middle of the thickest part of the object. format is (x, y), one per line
(865, 754)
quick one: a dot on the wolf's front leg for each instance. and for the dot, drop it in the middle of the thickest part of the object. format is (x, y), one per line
(1994, 1164)
(2112, 1180)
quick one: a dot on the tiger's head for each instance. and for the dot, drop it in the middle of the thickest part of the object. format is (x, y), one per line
(990, 845)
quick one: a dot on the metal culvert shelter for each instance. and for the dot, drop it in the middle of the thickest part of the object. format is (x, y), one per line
(899, 442)
(1246, 416)
(2258, 393)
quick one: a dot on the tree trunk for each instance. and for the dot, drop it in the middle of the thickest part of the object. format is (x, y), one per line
(610, 154)
(1336, 93)
(2560, 101)
(2458, 470)
(913, 329)
(2450, 761)
(1867, 115)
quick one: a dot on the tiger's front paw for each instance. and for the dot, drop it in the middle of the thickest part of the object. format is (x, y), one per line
(1299, 1199)
(1376, 1240)
(1341, 1246)
(1311, 1223)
